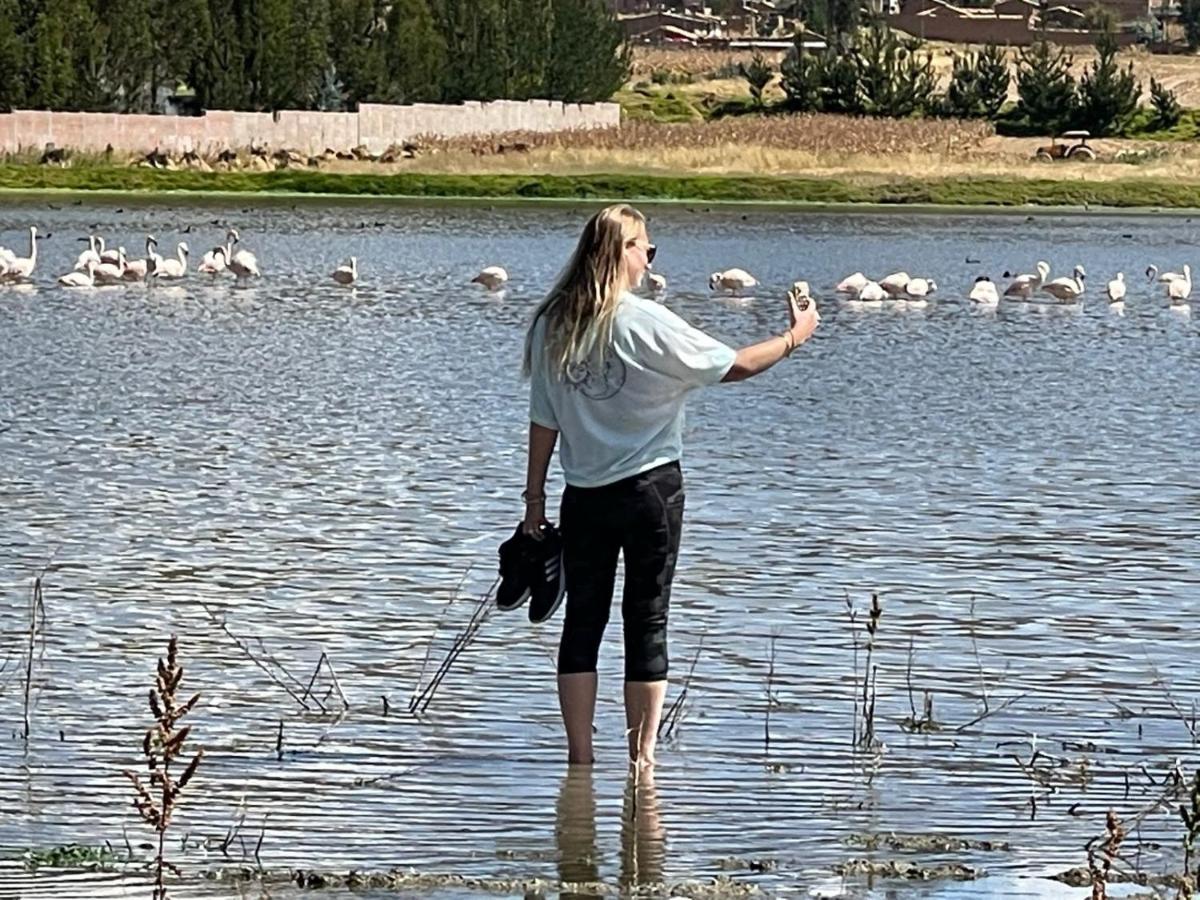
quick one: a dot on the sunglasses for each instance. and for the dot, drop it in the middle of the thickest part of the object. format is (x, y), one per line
(650, 251)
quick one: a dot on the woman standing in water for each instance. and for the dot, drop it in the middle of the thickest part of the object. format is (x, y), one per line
(609, 371)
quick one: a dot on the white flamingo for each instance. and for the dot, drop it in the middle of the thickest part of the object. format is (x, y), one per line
(493, 278)
(1025, 285)
(1066, 289)
(112, 257)
(111, 273)
(1180, 288)
(1116, 288)
(1166, 277)
(731, 280)
(852, 284)
(20, 268)
(984, 291)
(214, 262)
(243, 263)
(920, 287)
(7, 258)
(172, 268)
(895, 283)
(84, 279)
(872, 292)
(89, 255)
(346, 273)
(138, 269)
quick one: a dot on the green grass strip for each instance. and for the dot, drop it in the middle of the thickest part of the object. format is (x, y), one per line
(999, 192)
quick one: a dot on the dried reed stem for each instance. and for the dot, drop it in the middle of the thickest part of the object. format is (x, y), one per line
(770, 695)
(674, 712)
(35, 606)
(483, 609)
(162, 745)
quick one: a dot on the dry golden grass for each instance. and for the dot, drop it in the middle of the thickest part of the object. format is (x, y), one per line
(813, 145)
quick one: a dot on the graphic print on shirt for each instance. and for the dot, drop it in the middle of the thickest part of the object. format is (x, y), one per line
(596, 381)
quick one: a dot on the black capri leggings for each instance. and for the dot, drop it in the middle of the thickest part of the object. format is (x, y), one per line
(640, 516)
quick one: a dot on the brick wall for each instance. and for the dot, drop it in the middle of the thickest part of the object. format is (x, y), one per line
(375, 125)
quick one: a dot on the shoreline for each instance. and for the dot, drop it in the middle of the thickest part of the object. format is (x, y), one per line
(866, 194)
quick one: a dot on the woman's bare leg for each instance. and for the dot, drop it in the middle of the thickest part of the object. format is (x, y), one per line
(577, 700)
(643, 710)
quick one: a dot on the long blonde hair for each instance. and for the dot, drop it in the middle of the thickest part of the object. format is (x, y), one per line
(580, 308)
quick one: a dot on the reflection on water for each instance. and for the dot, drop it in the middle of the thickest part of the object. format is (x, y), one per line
(321, 468)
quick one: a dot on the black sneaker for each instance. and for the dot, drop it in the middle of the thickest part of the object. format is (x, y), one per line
(548, 575)
(515, 581)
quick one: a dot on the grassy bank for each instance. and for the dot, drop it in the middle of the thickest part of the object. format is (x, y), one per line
(950, 191)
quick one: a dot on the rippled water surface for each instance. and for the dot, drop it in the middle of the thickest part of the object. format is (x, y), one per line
(323, 468)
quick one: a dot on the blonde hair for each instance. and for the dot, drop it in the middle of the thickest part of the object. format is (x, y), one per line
(580, 308)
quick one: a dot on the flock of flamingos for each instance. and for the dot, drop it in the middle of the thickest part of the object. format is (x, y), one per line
(100, 265)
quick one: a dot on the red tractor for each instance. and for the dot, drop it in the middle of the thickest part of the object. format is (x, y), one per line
(1057, 149)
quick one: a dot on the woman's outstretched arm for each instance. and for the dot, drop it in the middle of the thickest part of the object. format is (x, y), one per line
(757, 358)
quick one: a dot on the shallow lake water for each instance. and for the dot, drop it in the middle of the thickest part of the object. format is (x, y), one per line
(331, 471)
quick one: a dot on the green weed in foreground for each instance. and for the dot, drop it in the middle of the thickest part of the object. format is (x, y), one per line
(998, 192)
(71, 856)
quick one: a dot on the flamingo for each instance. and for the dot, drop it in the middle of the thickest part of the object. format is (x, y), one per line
(174, 267)
(77, 279)
(920, 287)
(895, 283)
(88, 255)
(138, 269)
(112, 257)
(1116, 289)
(1180, 288)
(872, 292)
(984, 291)
(19, 268)
(7, 258)
(852, 284)
(731, 280)
(111, 273)
(214, 262)
(1165, 277)
(1025, 285)
(243, 263)
(1066, 289)
(346, 274)
(493, 278)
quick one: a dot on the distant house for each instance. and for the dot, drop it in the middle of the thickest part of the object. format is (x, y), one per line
(1013, 22)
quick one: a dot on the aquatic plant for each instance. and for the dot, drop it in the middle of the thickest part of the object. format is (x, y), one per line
(1100, 860)
(71, 856)
(865, 694)
(162, 746)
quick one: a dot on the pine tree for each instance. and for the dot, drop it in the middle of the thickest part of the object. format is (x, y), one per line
(218, 70)
(269, 55)
(992, 79)
(842, 91)
(758, 74)
(529, 25)
(978, 84)
(415, 54)
(310, 25)
(894, 80)
(591, 60)
(802, 78)
(52, 83)
(1045, 87)
(1167, 111)
(476, 47)
(130, 53)
(12, 58)
(962, 93)
(356, 49)
(1108, 95)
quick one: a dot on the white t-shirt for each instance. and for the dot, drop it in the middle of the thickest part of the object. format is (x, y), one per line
(626, 416)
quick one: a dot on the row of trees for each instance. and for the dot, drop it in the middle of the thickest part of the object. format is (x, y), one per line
(882, 74)
(305, 54)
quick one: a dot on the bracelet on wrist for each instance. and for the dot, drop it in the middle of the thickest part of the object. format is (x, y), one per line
(789, 342)
(533, 498)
